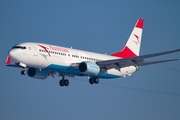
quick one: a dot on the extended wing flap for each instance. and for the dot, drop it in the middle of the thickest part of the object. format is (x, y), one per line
(117, 65)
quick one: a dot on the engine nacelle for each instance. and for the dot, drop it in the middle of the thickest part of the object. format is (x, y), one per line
(36, 73)
(88, 68)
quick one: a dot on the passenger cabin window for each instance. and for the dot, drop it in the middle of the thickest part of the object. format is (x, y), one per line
(63, 54)
(53, 52)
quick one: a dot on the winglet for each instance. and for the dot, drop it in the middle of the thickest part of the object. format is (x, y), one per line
(8, 60)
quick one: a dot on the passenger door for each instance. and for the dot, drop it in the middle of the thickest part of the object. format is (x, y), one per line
(35, 50)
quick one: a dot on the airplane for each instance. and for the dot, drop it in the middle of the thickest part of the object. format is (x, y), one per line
(43, 60)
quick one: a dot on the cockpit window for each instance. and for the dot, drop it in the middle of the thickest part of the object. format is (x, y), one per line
(19, 47)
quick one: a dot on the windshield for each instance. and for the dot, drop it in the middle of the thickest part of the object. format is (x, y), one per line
(19, 47)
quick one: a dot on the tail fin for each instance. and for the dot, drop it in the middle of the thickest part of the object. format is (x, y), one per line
(133, 44)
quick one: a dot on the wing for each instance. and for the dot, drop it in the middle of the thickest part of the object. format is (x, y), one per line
(139, 60)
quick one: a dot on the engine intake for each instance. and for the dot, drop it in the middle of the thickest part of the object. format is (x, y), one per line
(36, 73)
(88, 68)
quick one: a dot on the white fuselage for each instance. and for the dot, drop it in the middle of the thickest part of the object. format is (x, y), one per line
(45, 56)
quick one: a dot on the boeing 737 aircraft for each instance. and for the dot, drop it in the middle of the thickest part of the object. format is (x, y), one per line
(42, 60)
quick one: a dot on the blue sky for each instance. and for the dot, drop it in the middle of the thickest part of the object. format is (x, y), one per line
(97, 26)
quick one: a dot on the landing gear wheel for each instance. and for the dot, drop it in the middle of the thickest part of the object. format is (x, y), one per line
(61, 83)
(66, 82)
(23, 72)
(91, 81)
(96, 80)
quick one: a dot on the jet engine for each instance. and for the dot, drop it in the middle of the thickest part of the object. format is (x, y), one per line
(37, 73)
(88, 68)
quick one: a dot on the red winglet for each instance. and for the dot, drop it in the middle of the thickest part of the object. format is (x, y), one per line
(8, 61)
(140, 24)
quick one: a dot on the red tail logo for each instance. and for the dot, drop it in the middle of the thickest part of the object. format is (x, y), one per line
(137, 38)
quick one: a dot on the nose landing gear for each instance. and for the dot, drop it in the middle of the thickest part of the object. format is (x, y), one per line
(23, 72)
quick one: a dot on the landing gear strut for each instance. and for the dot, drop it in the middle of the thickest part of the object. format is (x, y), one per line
(93, 80)
(64, 82)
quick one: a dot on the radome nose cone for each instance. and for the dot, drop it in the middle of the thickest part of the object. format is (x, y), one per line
(12, 54)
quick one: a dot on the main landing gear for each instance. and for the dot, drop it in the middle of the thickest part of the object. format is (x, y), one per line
(64, 82)
(93, 80)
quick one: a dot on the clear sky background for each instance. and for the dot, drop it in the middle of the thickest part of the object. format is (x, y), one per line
(153, 93)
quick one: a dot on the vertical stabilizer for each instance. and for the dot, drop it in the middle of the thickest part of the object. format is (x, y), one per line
(133, 44)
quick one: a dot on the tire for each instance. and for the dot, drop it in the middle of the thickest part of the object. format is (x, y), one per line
(96, 80)
(23, 72)
(91, 81)
(66, 82)
(61, 83)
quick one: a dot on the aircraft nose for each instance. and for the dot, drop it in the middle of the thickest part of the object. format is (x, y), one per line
(13, 54)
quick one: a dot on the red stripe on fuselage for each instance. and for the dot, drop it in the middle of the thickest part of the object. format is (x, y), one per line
(45, 49)
(126, 53)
